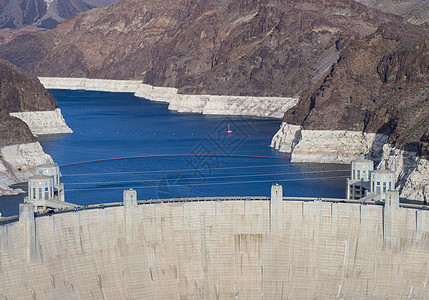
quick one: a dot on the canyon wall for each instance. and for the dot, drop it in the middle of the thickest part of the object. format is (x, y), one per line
(335, 146)
(26, 109)
(411, 172)
(218, 250)
(17, 163)
(20, 152)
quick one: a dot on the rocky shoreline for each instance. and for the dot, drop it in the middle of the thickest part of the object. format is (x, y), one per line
(335, 146)
(273, 107)
(321, 146)
(17, 163)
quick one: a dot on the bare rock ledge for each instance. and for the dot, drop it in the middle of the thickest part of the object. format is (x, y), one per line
(44, 122)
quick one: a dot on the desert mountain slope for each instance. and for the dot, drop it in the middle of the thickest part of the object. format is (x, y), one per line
(264, 48)
(19, 92)
(360, 69)
(414, 11)
(13, 131)
(18, 17)
(380, 84)
(17, 14)
(39, 13)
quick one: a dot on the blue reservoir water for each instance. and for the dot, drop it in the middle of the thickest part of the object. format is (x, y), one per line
(129, 142)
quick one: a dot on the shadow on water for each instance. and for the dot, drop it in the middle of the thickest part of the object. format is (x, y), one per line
(9, 205)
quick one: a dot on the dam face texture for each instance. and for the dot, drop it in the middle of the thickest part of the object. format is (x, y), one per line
(240, 249)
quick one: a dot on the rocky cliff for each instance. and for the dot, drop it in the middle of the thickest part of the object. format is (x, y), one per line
(35, 111)
(379, 85)
(13, 130)
(20, 17)
(414, 11)
(43, 13)
(357, 70)
(20, 153)
(20, 92)
(231, 47)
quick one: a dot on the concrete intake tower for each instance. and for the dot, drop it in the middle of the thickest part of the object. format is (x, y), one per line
(218, 248)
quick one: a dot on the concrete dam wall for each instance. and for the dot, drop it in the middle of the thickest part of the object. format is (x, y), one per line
(218, 250)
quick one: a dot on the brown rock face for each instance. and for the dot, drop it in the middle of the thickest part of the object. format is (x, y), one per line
(380, 84)
(20, 92)
(265, 47)
(13, 130)
(16, 14)
(414, 11)
(360, 69)
(423, 147)
(19, 17)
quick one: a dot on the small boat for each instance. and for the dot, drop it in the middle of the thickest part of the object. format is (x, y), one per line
(229, 130)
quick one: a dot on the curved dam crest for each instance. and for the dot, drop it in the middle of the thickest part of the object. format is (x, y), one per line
(218, 250)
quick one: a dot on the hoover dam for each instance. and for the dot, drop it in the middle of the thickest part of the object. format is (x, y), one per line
(218, 248)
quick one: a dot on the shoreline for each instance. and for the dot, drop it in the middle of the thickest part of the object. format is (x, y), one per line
(271, 107)
(340, 146)
(320, 146)
(17, 163)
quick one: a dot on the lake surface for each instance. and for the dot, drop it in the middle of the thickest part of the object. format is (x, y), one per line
(129, 142)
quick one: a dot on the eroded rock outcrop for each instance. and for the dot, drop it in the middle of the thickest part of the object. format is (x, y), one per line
(34, 109)
(18, 162)
(411, 172)
(379, 85)
(324, 146)
(327, 146)
(21, 92)
(43, 13)
(44, 122)
(13, 130)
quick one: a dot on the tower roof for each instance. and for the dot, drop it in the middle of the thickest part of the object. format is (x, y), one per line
(382, 172)
(38, 177)
(53, 165)
(362, 160)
